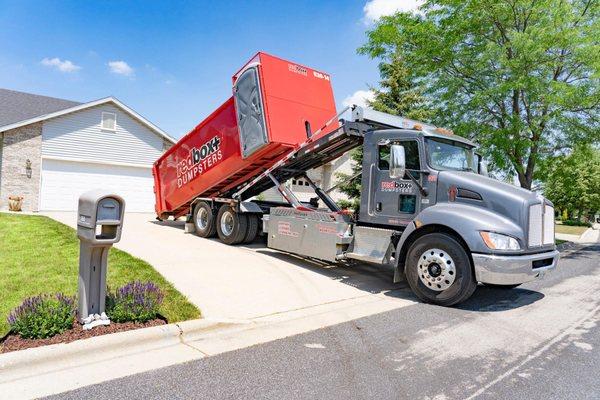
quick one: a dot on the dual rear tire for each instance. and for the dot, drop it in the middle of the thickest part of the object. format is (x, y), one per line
(230, 226)
(204, 217)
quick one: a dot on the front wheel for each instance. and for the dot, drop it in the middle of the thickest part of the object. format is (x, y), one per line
(438, 270)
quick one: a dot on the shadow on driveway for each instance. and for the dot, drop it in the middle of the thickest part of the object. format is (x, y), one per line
(375, 279)
(379, 279)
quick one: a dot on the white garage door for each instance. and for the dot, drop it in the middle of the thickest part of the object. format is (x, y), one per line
(64, 181)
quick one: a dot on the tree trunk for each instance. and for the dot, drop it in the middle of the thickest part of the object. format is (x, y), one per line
(525, 180)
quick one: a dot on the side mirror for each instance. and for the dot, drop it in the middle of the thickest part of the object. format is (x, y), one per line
(483, 168)
(397, 161)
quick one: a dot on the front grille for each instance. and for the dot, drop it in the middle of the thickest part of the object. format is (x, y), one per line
(535, 225)
(541, 225)
(549, 225)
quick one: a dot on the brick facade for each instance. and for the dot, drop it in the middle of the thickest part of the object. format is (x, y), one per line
(19, 145)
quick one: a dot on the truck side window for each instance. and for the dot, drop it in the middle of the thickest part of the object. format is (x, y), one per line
(411, 151)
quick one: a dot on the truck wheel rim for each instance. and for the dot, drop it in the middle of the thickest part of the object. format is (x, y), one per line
(202, 218)
(436, 269)
(227, 223)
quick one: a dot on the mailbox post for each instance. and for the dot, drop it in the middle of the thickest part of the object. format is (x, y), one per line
(99, 223)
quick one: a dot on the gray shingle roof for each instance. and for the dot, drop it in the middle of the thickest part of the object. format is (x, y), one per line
(19, 106)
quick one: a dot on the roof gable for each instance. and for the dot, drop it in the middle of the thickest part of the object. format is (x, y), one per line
(83, 106)
(19, 106)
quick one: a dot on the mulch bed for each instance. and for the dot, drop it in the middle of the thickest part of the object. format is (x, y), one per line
(14, 342)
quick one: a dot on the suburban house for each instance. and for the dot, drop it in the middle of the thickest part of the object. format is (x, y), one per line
(52, 150)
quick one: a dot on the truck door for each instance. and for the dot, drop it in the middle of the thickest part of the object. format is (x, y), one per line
(394, 201)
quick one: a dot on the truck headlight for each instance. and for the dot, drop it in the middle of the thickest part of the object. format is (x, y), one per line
(497, 241)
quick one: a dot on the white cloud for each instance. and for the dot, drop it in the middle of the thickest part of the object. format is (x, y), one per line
(359, 98)
(62, 66)
(375, 9)
(120, 68)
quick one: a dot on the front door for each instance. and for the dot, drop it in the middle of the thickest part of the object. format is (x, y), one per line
(394, 201)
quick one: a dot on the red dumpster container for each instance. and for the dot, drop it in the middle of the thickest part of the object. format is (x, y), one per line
(274, 104)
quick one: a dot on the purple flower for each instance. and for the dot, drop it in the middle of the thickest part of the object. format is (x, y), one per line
(42, 316)
(135, 301)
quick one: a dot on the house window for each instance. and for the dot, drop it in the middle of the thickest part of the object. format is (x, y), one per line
(109, 121)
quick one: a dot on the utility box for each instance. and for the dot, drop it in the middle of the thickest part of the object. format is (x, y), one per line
(99, 223)
(319, 234)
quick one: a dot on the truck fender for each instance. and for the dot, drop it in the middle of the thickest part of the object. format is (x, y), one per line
(463, 220)
(250, 207)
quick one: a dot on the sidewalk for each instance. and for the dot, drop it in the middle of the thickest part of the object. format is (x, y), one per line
(591, 235)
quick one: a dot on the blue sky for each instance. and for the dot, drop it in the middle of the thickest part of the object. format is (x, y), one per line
(172, 61)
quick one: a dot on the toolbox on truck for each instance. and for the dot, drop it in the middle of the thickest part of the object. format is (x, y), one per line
(275, 105)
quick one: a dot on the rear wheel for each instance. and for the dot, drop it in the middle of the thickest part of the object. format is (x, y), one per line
(438, 270)
(204, 220)
(231, 226)
(253, 222)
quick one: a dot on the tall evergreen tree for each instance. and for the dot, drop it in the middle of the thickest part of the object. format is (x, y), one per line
(398, 95)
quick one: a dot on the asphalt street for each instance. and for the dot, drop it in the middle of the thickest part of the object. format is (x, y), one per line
(539, 341)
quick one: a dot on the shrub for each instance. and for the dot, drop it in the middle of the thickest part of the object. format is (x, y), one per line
(137, 301)
(43, 316)
(574, 222)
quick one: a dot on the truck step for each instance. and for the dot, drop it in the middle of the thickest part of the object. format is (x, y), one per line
(370, 244)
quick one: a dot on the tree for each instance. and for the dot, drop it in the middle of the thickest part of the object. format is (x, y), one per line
(398, 96)
(573, 182)
(518, 76)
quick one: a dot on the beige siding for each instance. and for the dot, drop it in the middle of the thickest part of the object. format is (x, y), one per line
(79, 135)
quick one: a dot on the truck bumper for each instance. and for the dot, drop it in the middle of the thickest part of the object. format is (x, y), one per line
(513, 270)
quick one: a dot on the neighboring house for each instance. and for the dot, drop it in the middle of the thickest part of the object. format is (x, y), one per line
(52, 150)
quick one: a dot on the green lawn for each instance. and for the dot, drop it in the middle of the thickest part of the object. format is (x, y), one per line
(40, 255)
(570, 230)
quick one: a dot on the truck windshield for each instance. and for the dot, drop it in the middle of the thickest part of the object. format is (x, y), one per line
(449, 154)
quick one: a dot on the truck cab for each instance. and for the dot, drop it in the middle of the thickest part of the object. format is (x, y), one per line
(450, 225)
(396, 201)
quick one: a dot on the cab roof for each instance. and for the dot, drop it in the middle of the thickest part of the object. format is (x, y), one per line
(395, 122)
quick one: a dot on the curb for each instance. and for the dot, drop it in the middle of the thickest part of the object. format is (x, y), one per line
(57, 356)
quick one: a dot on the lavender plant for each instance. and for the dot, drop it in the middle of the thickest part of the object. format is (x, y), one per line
(43, 316)
(137, 301)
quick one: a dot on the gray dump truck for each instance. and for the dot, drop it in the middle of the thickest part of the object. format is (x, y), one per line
(427, 209)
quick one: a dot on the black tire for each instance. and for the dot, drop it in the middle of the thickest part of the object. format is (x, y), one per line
(457, 266)
(503, 287)
(204, 211)
(238, 225)
(253, 222)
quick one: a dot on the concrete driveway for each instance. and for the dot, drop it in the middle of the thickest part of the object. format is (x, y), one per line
(240, 282)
